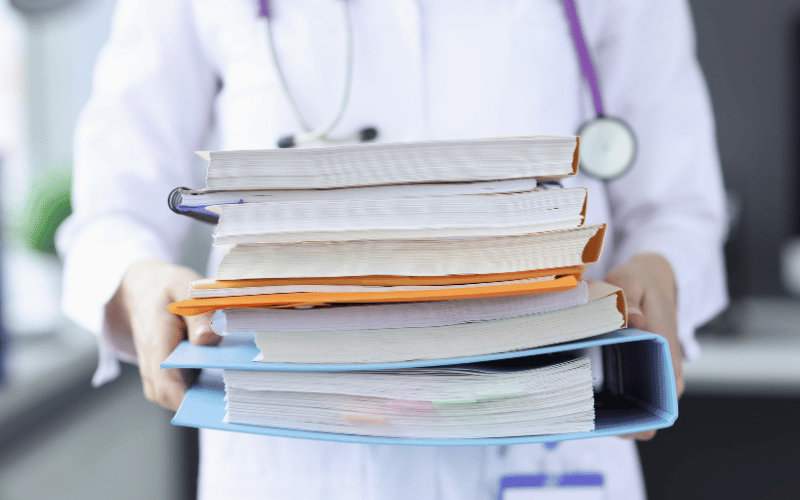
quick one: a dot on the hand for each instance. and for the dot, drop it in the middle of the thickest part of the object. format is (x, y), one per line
(649, 286)
(141, 307)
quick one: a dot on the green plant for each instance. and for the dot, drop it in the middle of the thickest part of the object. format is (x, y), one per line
(49, 204)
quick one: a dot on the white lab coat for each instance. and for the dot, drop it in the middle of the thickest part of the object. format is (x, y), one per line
(422, 69)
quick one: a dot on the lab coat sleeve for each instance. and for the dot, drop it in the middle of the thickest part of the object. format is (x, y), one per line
(135, 139)
(672, 201)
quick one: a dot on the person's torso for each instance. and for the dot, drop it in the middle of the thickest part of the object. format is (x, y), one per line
(421, 70)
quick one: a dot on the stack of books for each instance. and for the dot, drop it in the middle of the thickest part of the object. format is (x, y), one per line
(415, 293)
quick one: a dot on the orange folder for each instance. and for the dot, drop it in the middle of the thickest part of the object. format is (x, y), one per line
(192, 307)
(387, 280)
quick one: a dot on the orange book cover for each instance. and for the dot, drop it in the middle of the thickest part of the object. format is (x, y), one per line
(192, 307)
(462, 279)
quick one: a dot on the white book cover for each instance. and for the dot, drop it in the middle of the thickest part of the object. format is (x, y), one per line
(461, 337)
(401, 315)
(405, 217)
(544, 157)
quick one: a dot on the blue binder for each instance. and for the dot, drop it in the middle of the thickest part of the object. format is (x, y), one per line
(639, 392)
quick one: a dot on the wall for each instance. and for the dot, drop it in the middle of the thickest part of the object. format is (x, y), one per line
(748, 50)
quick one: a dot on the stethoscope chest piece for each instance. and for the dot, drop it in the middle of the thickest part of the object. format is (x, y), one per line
(608, 148)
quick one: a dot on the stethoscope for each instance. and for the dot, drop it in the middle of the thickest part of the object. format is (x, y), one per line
(607, 144)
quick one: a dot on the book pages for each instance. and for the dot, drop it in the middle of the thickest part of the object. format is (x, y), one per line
(471, 401)
(438, 216)
(409, 315)
(393, 163)
(383, 345)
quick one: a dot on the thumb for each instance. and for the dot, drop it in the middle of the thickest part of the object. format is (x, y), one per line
(635, 317)
(632, 286)
(198, 329)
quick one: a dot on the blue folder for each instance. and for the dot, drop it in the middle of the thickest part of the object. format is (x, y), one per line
(639, 391)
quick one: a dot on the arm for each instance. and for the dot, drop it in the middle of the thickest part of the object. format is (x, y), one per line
(669, 209)
(153, 90)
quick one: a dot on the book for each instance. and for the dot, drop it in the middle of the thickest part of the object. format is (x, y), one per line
(184, 199)
(462, 336)
(401, 315)
(416, 257)
(544, 157)
(387, 280)
(205, 289)
(192, 307)
(478, 400)
(451, 216)
(638, 392)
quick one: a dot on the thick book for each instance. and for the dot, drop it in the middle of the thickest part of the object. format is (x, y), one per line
(405, 217)
(545, 157)
(191, 202)
(464, 335)
(541, 395)
(418, 257)
(402, 315)
(638, 393)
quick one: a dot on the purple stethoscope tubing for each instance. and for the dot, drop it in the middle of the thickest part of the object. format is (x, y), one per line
(608, 144)
(263, 9)
(584, 57)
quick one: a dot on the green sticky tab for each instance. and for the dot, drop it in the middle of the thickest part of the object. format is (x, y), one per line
(507, 395)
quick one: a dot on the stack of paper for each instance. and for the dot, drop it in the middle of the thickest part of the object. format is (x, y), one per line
(478, 400)
(335, 259)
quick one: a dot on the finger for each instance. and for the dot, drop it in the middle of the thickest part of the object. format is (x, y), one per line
(147, 385)
(631, 284)
(171, 388)
(640, 436)
(199, 330)
(170, 384)
(636, 318)
(661, 318)
(166, 390)
(156, 334)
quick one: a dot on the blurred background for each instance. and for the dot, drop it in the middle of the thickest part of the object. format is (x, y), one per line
(737, 435)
